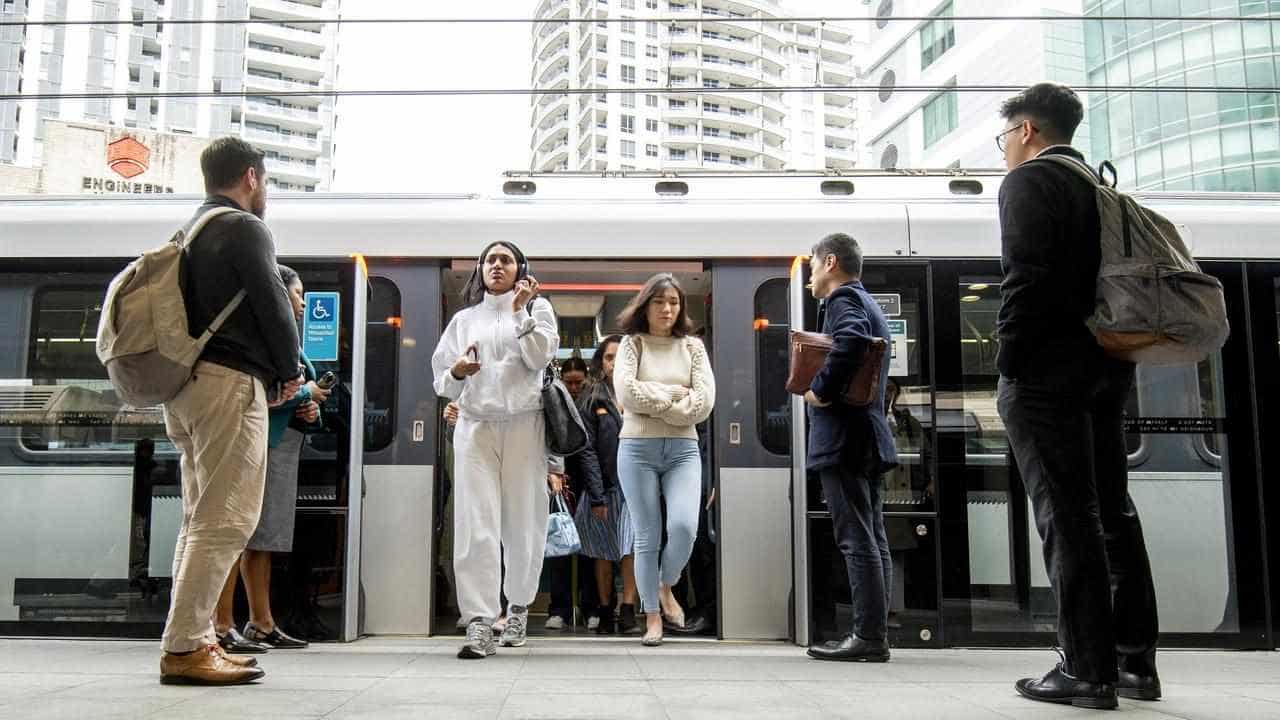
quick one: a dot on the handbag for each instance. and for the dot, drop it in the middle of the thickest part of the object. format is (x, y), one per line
(809, 352)
(562, 533)
(566, 433)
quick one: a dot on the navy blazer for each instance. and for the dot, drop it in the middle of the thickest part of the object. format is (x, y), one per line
(842, 433)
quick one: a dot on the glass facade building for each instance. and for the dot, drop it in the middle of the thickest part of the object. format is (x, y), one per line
(1209, 140)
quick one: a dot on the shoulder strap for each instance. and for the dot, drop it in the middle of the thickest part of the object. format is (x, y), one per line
(235, 301)
(1076, 166)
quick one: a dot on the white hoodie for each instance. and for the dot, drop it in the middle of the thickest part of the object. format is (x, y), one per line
(513, 348)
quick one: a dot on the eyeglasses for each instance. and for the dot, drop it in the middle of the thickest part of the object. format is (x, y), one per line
(1001, 142)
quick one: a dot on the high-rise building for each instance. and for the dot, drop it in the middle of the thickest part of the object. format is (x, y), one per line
(1215, 140)
(717, 48)
(938, 128)
(281, 54)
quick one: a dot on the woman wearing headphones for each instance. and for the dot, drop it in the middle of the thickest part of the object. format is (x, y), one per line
(490, 360)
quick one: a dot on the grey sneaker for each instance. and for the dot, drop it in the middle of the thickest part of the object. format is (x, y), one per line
(479, 644)
(517, 621)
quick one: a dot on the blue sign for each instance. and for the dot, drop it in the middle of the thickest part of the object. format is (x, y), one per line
(320, 327)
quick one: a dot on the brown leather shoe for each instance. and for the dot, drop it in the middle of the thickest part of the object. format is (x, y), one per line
(241, 660)
(205, 666)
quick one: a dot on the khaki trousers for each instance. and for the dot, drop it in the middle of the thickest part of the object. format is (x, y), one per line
(219, 424)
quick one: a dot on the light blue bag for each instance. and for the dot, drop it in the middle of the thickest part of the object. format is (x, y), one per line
(562, 534)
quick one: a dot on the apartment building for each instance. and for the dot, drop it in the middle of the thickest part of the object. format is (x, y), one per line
(142, 53)
(724, 50)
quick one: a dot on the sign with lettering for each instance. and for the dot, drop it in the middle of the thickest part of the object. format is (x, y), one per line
(898, 348)
(320, 327)
(890, 303)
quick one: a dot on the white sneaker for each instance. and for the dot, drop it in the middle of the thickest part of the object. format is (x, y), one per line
(513, 635)
(555, 622)
(479, 643)
(593, 622)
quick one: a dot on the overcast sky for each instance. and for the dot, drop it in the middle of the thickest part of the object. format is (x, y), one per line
(451, 143)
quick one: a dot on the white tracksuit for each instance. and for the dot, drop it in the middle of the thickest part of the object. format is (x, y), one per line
(499, 450)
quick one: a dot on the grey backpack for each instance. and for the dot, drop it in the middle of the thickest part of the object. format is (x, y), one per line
(1153, 304)
(143, 339)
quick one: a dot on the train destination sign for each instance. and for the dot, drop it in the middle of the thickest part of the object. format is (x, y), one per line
(890, 303)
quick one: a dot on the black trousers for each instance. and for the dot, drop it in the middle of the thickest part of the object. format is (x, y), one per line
(1067, 435)
(857, 515)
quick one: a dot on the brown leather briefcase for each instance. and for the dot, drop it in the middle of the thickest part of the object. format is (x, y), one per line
(808, 354)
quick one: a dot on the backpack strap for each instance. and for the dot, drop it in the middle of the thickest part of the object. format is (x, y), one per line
(235, 301)
(1098, 181)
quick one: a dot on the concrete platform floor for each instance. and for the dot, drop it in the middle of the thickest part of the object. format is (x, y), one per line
(387, 678)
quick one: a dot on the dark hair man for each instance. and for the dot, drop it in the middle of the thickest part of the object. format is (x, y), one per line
(219, 420)
(851, 447)
(1062, 399)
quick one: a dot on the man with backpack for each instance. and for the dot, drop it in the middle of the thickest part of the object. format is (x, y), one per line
(1062, 398)
(218, 420)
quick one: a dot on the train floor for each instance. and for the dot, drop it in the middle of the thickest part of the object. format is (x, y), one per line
(384, 678)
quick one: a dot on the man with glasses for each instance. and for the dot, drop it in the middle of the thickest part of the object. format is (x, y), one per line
(1062, 400)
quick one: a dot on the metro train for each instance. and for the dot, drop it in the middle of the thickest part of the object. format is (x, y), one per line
(89, 500)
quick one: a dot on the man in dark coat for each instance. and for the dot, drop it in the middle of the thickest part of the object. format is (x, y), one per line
(852, 447)
(1062, 402)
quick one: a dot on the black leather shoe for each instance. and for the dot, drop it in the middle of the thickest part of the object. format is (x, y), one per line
(695, 625)
(236, 644)
(608, 625)
(275, 639)
(1138, 687)
(1059, 687)
(627, 624)
(852, 648)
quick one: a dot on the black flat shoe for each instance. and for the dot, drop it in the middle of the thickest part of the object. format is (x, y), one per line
(608, 625)
(1138, 687)
(851, 648)
(696, 625)
(275, 639)
(236, 644)
(1059, 687)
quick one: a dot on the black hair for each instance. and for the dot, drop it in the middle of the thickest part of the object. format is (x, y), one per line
(473, 292)
(288, 276)
(1053, 108)
(597, 360)
(634, 318)
(571, 364)
(845, 248)
(225, 160)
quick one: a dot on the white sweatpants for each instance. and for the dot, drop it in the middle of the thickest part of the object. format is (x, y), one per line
(499, 506)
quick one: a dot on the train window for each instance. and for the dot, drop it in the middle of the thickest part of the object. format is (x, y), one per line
(773, 404)
(382, 353)
(66, 402)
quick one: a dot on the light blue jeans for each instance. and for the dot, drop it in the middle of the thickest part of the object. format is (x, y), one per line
(674, 467)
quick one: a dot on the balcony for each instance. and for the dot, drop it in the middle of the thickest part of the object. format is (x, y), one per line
(304, 116)
(556, 66)
(282, 60)
(286, 169)
(309, 41)
(283, 140)
(288, 10)
(840, 116)
(548, 134)
(551, 7)
(840, 152)
(260, 82)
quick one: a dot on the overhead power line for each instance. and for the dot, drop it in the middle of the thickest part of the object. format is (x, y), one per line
(463, 92)
(665, 19)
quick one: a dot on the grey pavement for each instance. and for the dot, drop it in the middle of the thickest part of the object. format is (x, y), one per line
(385, 678)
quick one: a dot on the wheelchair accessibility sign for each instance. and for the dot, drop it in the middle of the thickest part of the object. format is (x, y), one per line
(320, 327)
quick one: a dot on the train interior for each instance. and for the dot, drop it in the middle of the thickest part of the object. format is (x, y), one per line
(587, 297)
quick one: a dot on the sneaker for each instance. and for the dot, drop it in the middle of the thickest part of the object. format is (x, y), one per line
(517, 621)
(479, 644)
(555, 622)
(593, 622)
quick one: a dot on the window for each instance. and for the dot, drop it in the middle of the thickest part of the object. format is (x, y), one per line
(651, 77)
(677, 129)
(628, 123)
(651, 29)
(628, 4)
(628, 100)
(651, 4)
(711, 157)
(937, 36)
(651, 151)
(651, 125)
(629, 74)
(940, 117)
(710, 83)
(678, 154)
(629, 26)
(651, 51)
(651, 101)
(628, 49)
(628, 149)
(773, 404)
(738, 160)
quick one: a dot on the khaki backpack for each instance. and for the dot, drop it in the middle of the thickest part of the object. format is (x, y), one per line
(143, 338)
(1153, 304)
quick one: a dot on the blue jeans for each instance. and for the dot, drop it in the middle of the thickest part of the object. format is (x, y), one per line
(674, 466)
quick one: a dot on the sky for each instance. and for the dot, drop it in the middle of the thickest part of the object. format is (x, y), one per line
(444, 144)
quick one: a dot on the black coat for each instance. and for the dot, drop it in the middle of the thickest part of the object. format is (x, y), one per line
(842, 433)
(604, 424)
(1050, 252)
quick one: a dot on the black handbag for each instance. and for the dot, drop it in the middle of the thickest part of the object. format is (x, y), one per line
(566, 433)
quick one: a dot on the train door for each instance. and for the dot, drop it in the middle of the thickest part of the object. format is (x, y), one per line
(911, 491)
(1263, 284)
(1191, 476)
